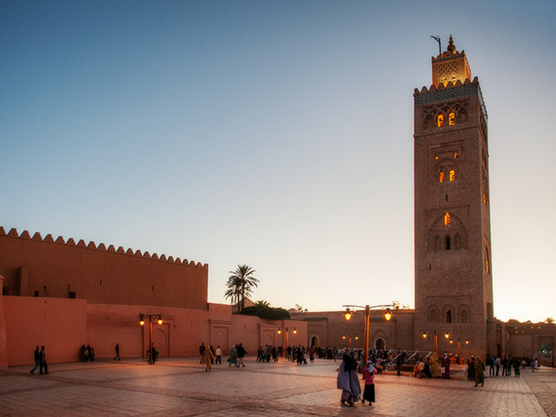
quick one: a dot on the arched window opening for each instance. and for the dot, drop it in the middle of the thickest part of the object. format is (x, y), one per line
(452, 175)
(447, 219)
(452, 119)
(429, 122)
(448, 242)
(433, 316)
(462, 116)
(455, 155)
(444, 81)
(448, 316)
(437, 246)
(457, 241)
(441, 176)
(464, 316)
(440, 120)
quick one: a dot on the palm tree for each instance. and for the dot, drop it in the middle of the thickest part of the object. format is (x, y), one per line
(240, 284)
(549, 320)
(234, 290)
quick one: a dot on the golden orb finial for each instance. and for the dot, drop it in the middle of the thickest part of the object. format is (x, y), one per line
(451, 46)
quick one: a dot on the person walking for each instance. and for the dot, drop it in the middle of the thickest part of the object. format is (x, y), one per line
(208, 358)
(218, 355)
(369, 374)
(43, 364)
(117, 352)
(37, 356)
(480, 372)
(348, 381)
(232, 360)
(202, 351)
(241, 352)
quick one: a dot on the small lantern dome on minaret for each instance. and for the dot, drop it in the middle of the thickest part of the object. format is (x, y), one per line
(450, 67)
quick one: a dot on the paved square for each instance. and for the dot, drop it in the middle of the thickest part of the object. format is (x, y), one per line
(181, 387)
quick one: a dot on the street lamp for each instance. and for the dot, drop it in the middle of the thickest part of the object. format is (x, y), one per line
(387, 315)
(150, 317)
(287, 342)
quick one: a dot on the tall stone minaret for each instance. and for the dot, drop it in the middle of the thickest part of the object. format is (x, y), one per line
(453, 270)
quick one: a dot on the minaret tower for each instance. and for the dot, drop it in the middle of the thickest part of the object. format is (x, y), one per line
(453, 271)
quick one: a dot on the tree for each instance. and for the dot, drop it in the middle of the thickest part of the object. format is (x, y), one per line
(240, 284)
(234, 290)
(549, 320)
(262, 303)
(300, 309)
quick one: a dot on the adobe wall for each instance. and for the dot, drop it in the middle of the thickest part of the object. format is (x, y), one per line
(64, 325)
(33, 266)
(58, 324)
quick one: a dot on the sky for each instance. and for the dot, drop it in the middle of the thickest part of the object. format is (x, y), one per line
(277, 134)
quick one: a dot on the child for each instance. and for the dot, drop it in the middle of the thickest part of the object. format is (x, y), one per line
(369, 373)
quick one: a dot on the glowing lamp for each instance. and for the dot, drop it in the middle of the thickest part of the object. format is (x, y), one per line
(388, 314)
(159, 320)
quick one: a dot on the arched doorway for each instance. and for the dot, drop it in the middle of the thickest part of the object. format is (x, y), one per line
(314, 341)
(380, 343)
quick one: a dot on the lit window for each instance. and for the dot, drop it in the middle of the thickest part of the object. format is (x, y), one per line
(440, 120)
(452, 119)
(436, 158)
(444, 81)
(447, 219)
(441, 176)
(455, 155)
(452, 175)
(485, 198)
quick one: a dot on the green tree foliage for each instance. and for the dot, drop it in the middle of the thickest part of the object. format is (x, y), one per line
(240, 285)
(263, 310)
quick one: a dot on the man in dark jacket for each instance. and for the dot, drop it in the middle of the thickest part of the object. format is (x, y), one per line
(37, 360)
(240, 355)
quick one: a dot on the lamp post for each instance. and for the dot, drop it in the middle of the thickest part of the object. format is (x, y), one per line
(150, 317)
(349, 337)
(287, 342)
(387, 315)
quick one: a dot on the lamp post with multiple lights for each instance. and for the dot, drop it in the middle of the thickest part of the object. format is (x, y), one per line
(150, 317)
(387, 315)
(294, 330)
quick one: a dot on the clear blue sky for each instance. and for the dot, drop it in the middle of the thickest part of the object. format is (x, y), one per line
(276, 134)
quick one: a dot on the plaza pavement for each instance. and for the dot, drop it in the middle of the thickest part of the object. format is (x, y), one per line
(181, 387)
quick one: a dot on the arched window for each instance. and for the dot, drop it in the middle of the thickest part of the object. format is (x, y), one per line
(448, 242)
(441, 176)
(437, 246)
(457, 241)
(452, 119)
(464, 316)
(433, 316)
(448, 316)
(447, 219)
(440, 120)
(429, 122)
(452, 175)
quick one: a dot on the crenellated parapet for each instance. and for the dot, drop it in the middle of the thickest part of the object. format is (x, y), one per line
(13, 233)
(450, 90)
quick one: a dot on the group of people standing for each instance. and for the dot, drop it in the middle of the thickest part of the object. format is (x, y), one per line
(40, 361)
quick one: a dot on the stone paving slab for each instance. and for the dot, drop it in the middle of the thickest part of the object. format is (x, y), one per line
(181, 387)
